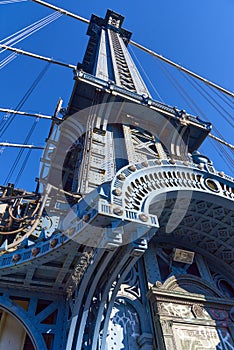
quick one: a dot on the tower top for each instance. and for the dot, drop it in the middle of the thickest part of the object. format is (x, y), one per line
(108, 70)
(111, 21)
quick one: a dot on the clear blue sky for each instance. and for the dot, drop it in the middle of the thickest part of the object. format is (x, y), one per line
(196, 34)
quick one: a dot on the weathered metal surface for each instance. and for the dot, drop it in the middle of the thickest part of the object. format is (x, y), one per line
(92, 251)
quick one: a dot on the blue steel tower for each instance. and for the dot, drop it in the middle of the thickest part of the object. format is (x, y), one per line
(127, 241)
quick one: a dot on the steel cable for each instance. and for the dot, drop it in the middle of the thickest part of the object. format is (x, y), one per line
(20, 153)
(182, 93)
(7, 122)
(197, 86)
(146, 75)
(226, 99)
(29, 30)
(23, 166)
(8, 59)
(4, 2)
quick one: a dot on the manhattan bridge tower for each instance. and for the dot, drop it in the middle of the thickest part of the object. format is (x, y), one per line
(127, 241)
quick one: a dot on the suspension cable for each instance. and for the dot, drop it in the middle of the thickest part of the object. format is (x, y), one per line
(23, 166)
(175, 84)
(139, 46)
(183, 93)
(8, 122)
(217, 103)
(189, 72)
(146, 75)
(8, 59)
(179, 67)
(35, 115)
(24, 33)
(221, 141)
(224, 98)
(29, 30)
(64, 12)
(198, 87)
(4, 2)
(19, 145)
(218, 139)
(201, 112)
(223, 154)
(20, 154)
(24, 29)
(43, 58)
(221, 149)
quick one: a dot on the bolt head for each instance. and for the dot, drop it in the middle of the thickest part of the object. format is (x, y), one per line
(143, 217)
(145, 164)
(132, 168)
(16, 257)
(118, 211)
(121, 177)
(53, 242)
(86, 217)
(35, 251)
(201, 166)
(117, 191)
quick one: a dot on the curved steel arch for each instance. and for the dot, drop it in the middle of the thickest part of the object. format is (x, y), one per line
(144, 181)
(135, 187)
(116, 266)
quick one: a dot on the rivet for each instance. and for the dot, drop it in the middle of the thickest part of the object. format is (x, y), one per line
(53, 242)
(145, 164)
(221, 173)
(69, 232)
(201, 166)
(132, 168)
(117, 191)
(118, 211)
(16, 257)
(121, 177)
(143, 217)
(35, 251)
(86, 217)
(172, 161)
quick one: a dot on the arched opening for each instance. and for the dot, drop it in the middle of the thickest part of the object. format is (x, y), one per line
(13, 334)
(124, 327)
(191, 297)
